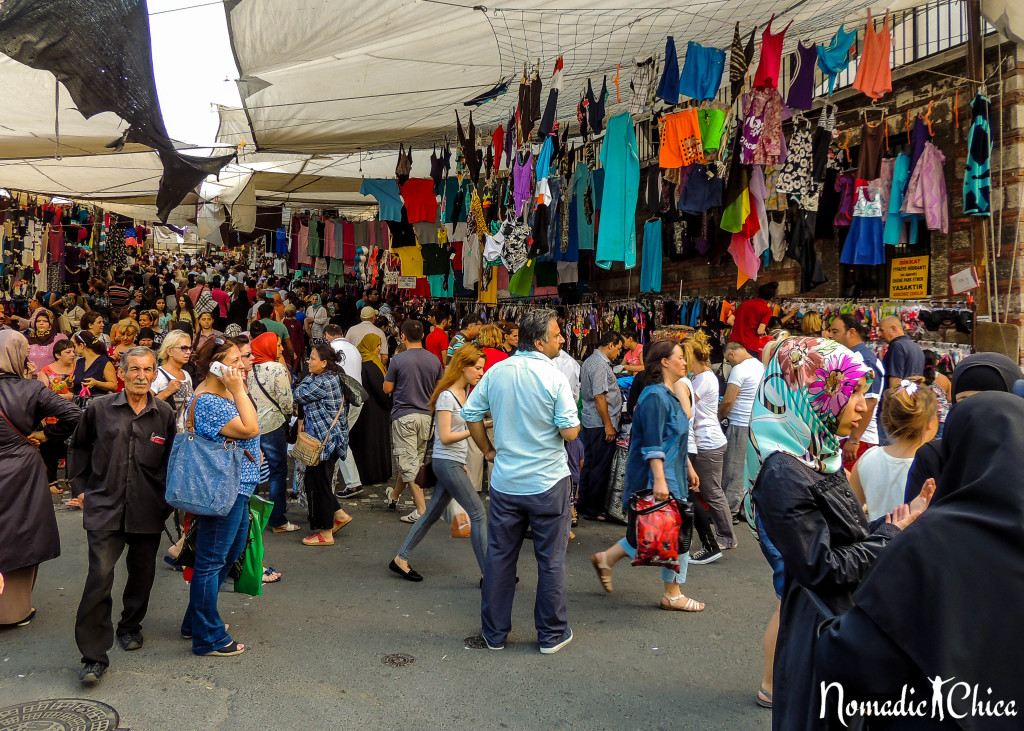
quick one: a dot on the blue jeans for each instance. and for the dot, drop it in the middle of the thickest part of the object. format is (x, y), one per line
(547, 515)
(774, 559)
(219, 543)
(275, 450)
(667, 575)
(452, 482)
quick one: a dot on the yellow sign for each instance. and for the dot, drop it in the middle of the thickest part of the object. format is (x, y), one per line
(908, 278)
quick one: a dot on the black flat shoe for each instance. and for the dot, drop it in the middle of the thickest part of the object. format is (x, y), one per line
(409, 575)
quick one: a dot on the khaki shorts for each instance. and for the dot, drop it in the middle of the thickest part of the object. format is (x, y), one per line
(409, 436)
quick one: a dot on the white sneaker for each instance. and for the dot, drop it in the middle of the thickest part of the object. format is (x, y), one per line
(411, 517)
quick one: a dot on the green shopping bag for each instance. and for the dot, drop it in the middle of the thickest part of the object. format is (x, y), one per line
(250, 580)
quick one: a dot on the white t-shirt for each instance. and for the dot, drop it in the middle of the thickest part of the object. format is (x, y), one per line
(884, 479)
(747, 375)
(351, 358)
(691, 446)
(455, 452)
(705, 413)
(568, 366)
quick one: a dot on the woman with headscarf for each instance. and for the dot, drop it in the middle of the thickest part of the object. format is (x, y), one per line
(930, 610)
(278, 308)
(811, 395)
(28, 527)
(975, 374)
(371, 435)
(270, 386)
(316, 318)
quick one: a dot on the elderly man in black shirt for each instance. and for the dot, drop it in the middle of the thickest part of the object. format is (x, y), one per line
(118, 458)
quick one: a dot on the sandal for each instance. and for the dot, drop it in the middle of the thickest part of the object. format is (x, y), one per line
(690, 605)
(339, 524)
(288, 527)
(391, 502)
(317, 539)
(230, 650)
(55, 489)
(764, 698)
(268, 574)
(604, 575)
(74, 503)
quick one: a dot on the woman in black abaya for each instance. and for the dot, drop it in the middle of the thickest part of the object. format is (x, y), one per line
(943, 600)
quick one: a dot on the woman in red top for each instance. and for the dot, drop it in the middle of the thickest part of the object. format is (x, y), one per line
(750, 321)
(490, 341)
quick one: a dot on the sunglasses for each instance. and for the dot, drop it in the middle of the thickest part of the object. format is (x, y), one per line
(185, 348)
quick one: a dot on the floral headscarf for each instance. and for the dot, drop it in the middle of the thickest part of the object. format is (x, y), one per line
(807, 384)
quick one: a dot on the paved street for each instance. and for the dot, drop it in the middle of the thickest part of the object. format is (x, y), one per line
(316, 639)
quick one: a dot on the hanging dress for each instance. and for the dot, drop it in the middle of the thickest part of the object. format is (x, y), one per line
(767, 76)
(801, 89)
(864, 242)
(616, 237)
(977, 180)
(668, 87)
(835, 57)
(874, 73)
(895, 232)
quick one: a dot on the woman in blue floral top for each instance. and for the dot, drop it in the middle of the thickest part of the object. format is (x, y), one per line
(321, 397)
(223, 411)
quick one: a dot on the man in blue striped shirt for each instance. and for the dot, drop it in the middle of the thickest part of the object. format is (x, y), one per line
(534, 415)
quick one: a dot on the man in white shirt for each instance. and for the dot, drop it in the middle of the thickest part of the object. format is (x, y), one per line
(365, 327)
(737, 403)
(352, 363)
(570, 368)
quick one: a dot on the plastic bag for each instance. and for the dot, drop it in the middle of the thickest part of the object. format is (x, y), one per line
(660, 531)
(460, 525)
(250, 564)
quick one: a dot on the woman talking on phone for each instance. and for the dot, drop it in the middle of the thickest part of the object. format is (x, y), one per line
(223, 411)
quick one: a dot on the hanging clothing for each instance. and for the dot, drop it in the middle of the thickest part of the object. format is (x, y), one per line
(681, 143)
(847, 189)
(702, 72)
(864, 242)
(668, 87)
(795, 177)
(650, 270)
(801, 89)
(522, 175)
(926, 192)
(739, 59)
(712, 128)
(762, 127)
(595, 107)
(583, 220)
(869, 156)
(919, 137)
(616, 238)
(767, 76)
(835, 57)
(801, 249)
(874, 73)
(977, 178)
(822, 141)
(388, 196)
(641, 86)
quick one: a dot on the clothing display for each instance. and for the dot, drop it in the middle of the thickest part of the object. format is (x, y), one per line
(869, 162)
(801, 88)
(762, 127)
(834, 57)
(681, 140)
(896, 222)
(668, 87)
(650, 270)
(641, 86)
(874, 72)
(739, 59)
(767, 76)
(926, 191)
(979, 149)
(616, 237)
(864, 241)
(702, 72)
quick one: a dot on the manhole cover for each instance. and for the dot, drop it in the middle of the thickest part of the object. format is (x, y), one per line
(475, 642)
(397, 660)
(59, 714)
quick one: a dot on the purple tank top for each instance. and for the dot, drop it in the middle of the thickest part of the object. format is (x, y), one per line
(801, 89)
(522, 175)
(918, 139)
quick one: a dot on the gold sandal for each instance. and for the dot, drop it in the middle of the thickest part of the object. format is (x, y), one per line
(668, 603)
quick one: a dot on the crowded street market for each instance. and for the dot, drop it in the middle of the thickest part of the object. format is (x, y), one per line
(393, 292)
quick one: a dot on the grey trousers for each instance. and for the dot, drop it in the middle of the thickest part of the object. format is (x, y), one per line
(708, 466)
(734, 466)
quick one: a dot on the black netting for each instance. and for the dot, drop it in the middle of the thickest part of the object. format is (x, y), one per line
(100, 51)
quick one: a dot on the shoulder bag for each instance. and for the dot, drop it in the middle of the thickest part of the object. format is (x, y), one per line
(308, 450)
(203, 476)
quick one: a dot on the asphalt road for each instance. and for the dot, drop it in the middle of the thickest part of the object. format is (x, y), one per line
(316, 641)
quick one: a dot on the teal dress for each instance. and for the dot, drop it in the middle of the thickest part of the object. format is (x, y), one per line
(616, 237)
(584, 220)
